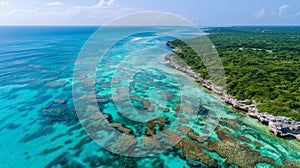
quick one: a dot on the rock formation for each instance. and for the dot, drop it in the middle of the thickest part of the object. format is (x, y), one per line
(279, 125)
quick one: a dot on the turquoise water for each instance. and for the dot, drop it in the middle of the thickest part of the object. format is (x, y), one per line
(39, 126)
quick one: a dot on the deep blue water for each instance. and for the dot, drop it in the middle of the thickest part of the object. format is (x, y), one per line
(38, 123)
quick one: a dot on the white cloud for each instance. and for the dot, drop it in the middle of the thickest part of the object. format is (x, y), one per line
(57, 3)
(92, 10)
(96, 14)
(105, 3)
(3, 3)
(260, 14)
(281, 9)
(110, 2)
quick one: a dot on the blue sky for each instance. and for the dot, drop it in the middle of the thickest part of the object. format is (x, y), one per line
(200, 12)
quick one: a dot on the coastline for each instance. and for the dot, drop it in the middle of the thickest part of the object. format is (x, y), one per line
(278, 125)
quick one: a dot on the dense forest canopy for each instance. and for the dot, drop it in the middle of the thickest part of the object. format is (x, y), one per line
(260, 63)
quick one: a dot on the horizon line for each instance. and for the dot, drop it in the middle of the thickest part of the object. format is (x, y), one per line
(99, 25)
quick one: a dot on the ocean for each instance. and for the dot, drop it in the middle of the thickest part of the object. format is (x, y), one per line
(48, 118)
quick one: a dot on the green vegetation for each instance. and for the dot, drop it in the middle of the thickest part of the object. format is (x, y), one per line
(260, 63)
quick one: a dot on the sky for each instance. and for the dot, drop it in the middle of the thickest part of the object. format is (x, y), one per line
(100, 12)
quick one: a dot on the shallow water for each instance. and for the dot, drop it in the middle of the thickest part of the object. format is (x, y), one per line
(36, 69)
